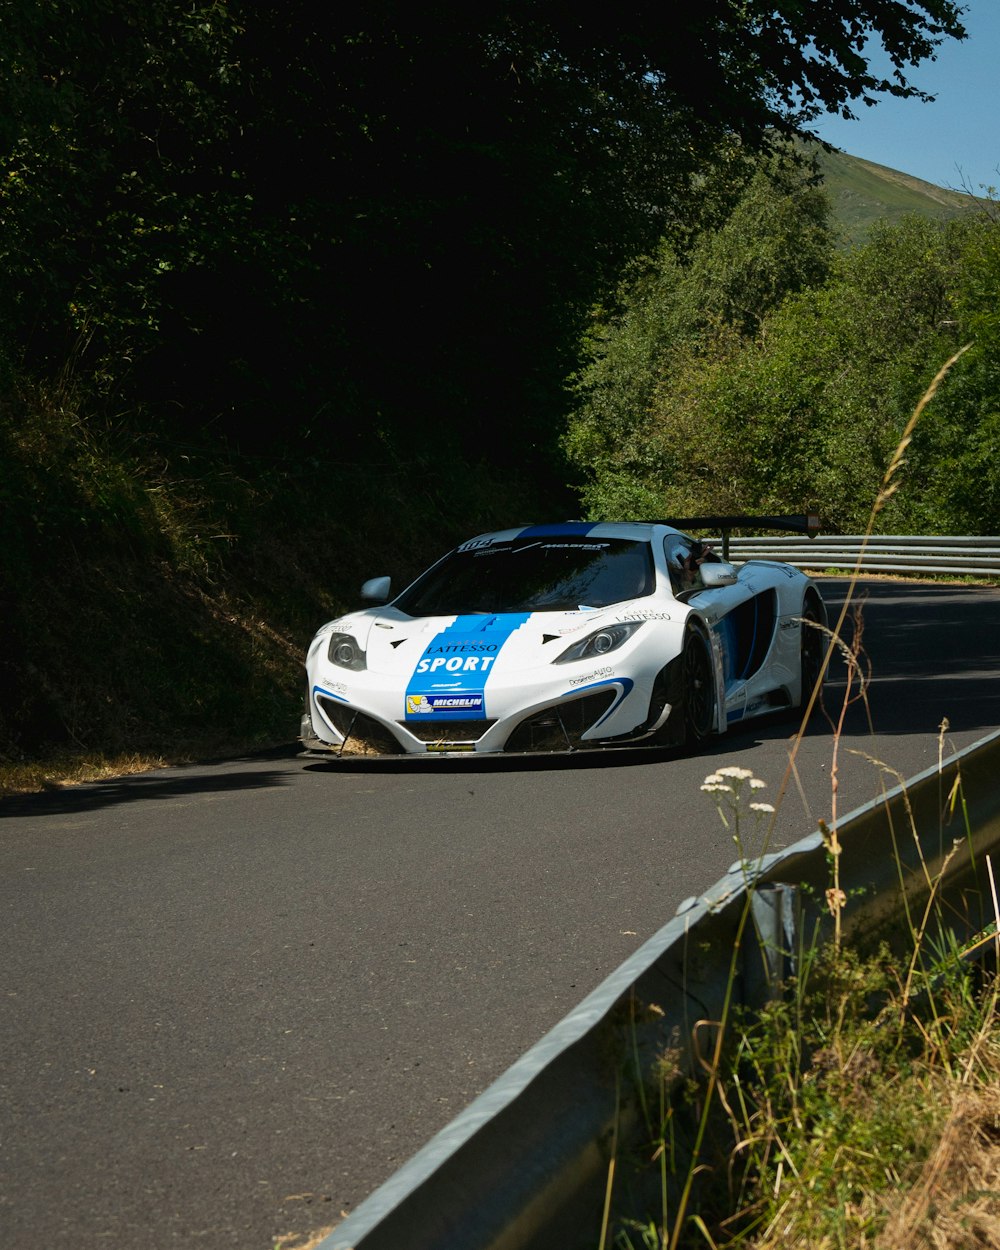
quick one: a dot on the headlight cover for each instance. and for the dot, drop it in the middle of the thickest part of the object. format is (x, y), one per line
(600, 642)
(343, 650)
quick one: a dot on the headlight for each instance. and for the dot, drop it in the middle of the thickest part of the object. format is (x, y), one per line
(599, 643)
(345, 652)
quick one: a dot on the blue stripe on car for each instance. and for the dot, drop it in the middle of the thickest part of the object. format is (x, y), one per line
(449, 680)
(725, 631)
(563, 529)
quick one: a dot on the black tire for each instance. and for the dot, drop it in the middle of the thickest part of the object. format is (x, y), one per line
(697, 687)
(812, 648)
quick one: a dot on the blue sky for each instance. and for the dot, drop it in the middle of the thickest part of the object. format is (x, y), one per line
(954, 142)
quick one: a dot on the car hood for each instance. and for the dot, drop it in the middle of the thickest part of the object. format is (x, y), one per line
(459, 648)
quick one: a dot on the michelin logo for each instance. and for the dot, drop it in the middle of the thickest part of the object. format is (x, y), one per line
(428, 704)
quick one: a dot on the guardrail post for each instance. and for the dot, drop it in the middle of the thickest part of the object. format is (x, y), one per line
(771, 941)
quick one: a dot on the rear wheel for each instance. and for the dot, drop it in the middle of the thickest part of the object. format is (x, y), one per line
(811, 651)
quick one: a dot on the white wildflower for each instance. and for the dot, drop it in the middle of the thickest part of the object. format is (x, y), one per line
(731, 770)
(717, 786)
(761, 807)
(757, 784)
(713, 779)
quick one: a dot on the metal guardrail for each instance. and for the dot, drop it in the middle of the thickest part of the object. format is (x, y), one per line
(524, 1167)
(883, 553)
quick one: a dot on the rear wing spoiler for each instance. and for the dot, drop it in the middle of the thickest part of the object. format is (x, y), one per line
(797, 523)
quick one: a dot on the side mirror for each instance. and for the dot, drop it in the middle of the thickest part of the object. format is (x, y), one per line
(376, 589)
(716, 574)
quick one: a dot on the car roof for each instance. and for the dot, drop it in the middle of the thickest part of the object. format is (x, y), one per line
(637, 531)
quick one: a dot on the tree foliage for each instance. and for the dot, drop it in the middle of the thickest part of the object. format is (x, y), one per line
(640, 428)
(378, 224)
(805, 408)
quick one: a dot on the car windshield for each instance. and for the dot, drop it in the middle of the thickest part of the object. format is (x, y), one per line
(533, 575)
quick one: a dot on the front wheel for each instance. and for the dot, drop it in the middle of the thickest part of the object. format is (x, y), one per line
(687, 683)
(697, 688)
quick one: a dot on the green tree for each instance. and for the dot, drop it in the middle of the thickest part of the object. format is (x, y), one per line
(640, 427)
(380, 222)
(807, 408)
(954, 475)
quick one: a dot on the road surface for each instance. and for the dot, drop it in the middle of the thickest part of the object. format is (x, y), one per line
(236, 997)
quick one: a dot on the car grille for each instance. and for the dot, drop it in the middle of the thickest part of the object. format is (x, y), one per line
(561, 726)
(448, 730)
(362, 735)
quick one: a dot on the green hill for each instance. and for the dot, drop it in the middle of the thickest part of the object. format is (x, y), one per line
(863, 192)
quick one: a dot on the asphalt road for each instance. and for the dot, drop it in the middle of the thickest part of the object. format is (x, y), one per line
(236, 997)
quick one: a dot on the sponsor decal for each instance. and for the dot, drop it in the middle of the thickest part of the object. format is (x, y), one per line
(643, 614)
(594, 676)
(475, 543)
(429, 704)
(466, 655)
(335, 689)
(574, 546)
(459, 659)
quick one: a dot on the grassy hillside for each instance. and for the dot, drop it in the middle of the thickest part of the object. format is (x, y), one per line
(156, 598)
(863, 192)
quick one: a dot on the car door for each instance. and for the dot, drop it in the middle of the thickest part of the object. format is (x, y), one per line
(743, 618)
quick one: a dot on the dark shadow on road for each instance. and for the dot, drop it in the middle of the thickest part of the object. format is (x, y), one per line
(164, 784)
(472, 763)
(779, 725)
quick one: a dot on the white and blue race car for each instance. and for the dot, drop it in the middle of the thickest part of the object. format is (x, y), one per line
(564, 637)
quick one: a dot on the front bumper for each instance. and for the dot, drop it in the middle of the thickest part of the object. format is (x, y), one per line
(609, 711)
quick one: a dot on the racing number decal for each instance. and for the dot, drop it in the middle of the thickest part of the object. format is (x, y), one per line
(449, 680)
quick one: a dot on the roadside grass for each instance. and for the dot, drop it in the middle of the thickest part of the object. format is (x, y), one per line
(843, 1115)
(917, 579)
(32, 776)
(858, 1108)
